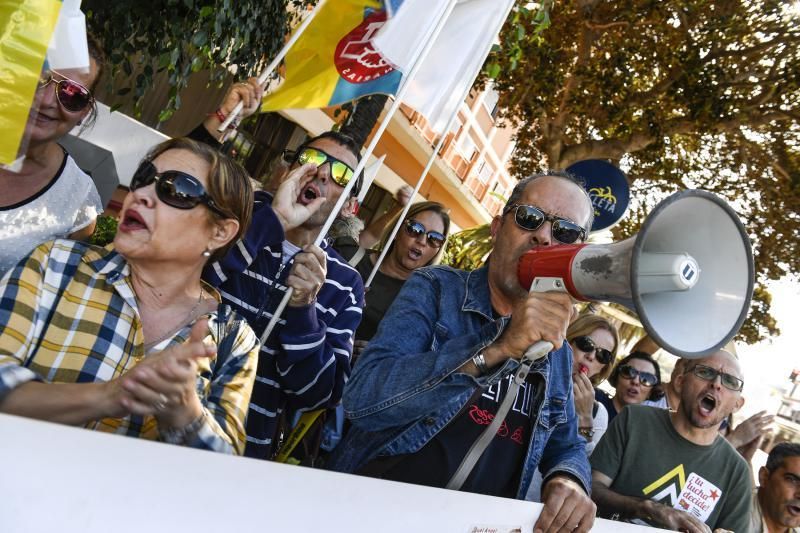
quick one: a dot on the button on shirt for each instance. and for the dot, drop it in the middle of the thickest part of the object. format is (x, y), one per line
(68, 314)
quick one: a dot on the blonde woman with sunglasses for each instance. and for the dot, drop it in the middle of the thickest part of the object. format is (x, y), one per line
(50, 197)
(594, 342)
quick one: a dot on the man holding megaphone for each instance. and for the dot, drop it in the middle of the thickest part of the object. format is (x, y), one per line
(438, 398)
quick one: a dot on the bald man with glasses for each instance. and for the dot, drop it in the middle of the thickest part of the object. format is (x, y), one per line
(672, 469)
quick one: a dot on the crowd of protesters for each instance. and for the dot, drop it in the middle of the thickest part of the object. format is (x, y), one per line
(157, 336)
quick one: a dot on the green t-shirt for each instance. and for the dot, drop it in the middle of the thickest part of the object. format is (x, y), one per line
(646, 458)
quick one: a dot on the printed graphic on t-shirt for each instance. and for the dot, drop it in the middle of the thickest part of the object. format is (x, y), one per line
(666, 488)
(516, 424)
(498, 470)
(698, 497)
(694, 495)
(522, 403)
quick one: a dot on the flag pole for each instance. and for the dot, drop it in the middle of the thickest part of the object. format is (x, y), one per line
(262, 78)
(398, 98)
(433, 156)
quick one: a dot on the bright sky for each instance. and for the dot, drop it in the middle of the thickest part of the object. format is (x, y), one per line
(767, 365)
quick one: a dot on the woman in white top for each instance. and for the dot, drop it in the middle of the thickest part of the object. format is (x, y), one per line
(50, 197)
(594, 341)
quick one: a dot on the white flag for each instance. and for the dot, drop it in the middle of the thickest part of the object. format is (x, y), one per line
(457, 52)
(370, 173)
(68, 47)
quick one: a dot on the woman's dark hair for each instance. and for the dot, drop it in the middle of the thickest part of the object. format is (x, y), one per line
(99, 57)
(656, 392)
(228, 185)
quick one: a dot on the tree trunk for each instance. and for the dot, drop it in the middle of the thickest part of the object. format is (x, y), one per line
(363, 118)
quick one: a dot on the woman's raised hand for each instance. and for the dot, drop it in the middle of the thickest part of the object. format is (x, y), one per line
(584, 398)
(164, 384)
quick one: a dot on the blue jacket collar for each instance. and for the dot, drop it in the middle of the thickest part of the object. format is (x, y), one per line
(476, 294)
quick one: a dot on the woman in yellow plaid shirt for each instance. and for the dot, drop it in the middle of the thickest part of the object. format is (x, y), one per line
(128, 339)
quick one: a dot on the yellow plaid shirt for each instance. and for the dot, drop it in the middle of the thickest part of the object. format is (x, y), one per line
(68, 314)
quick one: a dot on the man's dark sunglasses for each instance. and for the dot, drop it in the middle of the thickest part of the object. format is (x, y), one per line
(415, 230)
(175, 188)
(70, 94)
(645, 378)
(531, 218)
(728, 381)
(341, 172)
(585, 344)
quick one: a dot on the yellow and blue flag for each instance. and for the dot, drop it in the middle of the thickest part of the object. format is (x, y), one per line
(26, 32)
(334, 60)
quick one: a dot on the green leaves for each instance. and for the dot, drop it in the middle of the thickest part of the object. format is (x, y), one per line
(178, 38)
(104, 230)
(200, 38)
(523, 27)
(683, 93)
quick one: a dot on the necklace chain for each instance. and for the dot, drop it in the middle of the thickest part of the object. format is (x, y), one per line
(178, 325)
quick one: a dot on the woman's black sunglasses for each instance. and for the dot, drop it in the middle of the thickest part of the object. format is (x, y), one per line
(529, 217)
(645, 378)
(415, 229)
(585, 344)
(174, 188)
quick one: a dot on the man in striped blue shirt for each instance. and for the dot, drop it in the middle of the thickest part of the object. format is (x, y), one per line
(306, 360)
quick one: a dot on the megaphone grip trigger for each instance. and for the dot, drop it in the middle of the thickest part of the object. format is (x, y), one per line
(536, 351)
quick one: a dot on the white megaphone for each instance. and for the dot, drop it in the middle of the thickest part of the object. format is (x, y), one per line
(688, 274)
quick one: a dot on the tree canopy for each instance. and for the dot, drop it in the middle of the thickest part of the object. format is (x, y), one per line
(181, 37)
(679, 93)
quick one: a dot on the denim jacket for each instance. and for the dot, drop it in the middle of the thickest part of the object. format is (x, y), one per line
(406, 386)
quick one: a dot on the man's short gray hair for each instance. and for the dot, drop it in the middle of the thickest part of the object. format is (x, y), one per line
(346, 227)
(780, 452)
(519, 190)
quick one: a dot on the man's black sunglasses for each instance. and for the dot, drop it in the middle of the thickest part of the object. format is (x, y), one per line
(707, 373)
(645, 378)
(175, 188)
(529, 217)
(585, 344)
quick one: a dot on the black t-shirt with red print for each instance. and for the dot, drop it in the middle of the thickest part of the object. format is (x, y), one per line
(498, 471)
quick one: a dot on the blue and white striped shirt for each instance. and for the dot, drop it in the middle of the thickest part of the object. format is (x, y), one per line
(306, 361)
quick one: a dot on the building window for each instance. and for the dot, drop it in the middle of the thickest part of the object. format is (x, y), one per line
(456, 126)
(485, 171)
(490, 99)
(466, 146)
